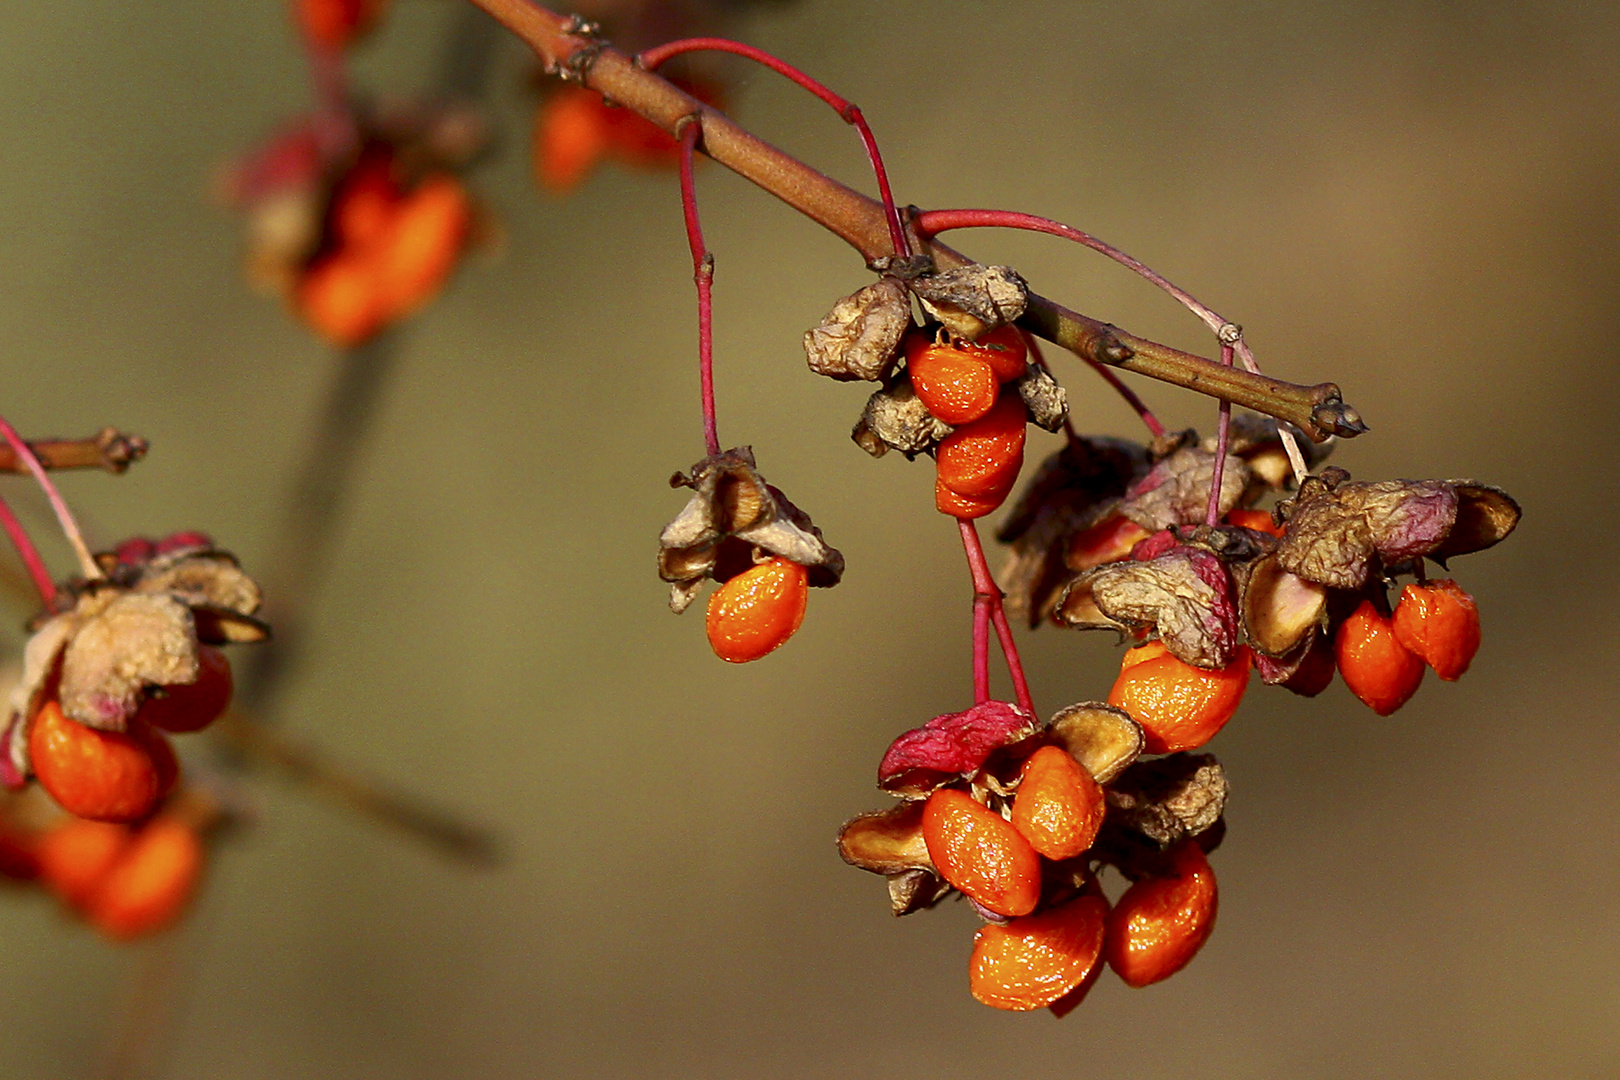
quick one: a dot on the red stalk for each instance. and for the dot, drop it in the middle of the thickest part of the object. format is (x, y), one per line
(703, 274)
(848, 110)
(986, 594)
(30, 555)
(1223, 429)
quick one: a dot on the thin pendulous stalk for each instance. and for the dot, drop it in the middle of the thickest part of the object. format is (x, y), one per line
(988, 594)
(703, 275)
(64, 516)
(653, 58)
(1223, 430)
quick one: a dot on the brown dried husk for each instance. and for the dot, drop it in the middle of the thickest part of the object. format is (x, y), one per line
(895, 418)
(860, 337)
(732, 502)
(1046, 402)
(124, 641)
(1280, 609)
(1169, 798)
(1179, 494)
(890, 842)
(1073, 489)
(1103, 739)
(971, 300)
(1168, 594)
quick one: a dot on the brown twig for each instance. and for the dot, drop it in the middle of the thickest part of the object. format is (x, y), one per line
(269, 744)
(1317, 410)
(109, 449)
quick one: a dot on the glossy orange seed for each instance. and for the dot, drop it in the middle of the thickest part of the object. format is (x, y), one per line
(1376, 667)
(1160, 923)
(983, 457)
(1058, 807)
(1004, 349)
(1439, 622)
(101, 775)
(980, 854)
(1032, 962)
(953, 384)
(950, 502)
(758, 610)
(1179, 706)
(151, 883)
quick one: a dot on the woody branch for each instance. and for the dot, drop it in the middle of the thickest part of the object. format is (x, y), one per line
(558, 40)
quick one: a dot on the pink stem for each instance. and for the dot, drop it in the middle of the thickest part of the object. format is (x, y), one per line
(933, 222)
(703, 274)
(1223, 429)
(986, 593)
(64, 516)
(848, 110)
(30, 555)
(981, 649)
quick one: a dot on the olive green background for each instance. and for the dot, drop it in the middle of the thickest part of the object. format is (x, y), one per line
(1416, 201)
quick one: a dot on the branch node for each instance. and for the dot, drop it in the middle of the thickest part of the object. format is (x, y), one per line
(1230, 333)
(576, 66)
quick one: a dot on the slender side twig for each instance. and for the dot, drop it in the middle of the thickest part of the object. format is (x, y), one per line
(268, 743)
(703, 275)
(986, 592)
(108, 449)
(1318, 410)
(64, 516)
(652, 59)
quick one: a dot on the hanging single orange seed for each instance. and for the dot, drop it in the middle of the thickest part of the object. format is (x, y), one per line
(758, 610)
(75, 855)
(980, 854)
(422, 244)
(1439, 622)
(1376, 667)
(1058, 807)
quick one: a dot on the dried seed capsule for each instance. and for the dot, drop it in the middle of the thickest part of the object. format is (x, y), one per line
(1180, 707)
(955, 385)
(193, 706)
(1376, 667)
(151, 883)
(1058, 807)
(76, 855)
(758, 610)
(1033, 961)
(1160, 923)
(980, 854)
(1439, 622)
(983, 457)
(101, 775)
